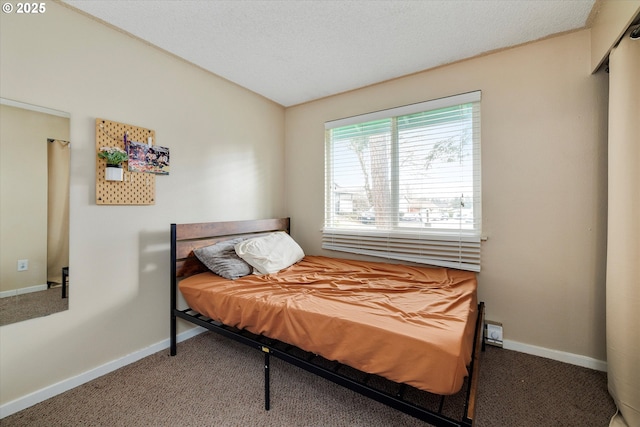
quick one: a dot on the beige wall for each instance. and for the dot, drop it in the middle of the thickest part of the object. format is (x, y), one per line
(544, 183)
(23, 193)
(609, 20)
(119, 255)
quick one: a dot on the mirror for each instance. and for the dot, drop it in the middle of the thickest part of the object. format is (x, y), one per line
(34, 211)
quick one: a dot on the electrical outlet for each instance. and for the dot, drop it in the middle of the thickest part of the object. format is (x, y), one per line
(23, 264)
(493, 333)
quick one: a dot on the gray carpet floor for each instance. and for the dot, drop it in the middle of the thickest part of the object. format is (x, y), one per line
(31, 305)
(216, 382)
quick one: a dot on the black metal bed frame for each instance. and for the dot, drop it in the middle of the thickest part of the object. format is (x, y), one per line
(395, 396)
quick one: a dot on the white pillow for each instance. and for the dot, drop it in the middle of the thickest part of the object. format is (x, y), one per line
(271, 253)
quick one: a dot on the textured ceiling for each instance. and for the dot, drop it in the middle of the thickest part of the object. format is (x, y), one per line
(296, 51)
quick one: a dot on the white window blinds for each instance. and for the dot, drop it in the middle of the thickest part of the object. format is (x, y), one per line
(405, 183)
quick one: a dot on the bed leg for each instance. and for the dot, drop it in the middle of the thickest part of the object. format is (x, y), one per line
(173, 345)
(267, 398)
(470, 406)
(174, 289)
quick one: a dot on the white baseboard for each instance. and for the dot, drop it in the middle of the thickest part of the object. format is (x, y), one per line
(65, 385)
(561, 356)
(14, 292)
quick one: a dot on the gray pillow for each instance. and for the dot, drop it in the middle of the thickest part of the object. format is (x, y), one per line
(221, 258)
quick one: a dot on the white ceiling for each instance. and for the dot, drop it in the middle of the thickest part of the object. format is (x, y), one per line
(296, 51)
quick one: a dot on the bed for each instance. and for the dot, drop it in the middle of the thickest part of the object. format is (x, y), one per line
(407, 336)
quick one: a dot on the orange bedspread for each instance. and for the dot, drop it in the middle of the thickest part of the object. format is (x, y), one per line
(413, 325)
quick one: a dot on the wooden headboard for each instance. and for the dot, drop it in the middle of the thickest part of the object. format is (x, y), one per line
(185, 238)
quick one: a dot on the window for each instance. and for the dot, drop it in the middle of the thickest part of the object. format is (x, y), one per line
(404, 183)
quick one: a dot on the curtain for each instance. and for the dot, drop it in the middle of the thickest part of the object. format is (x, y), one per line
(623, 234)
(58, 209)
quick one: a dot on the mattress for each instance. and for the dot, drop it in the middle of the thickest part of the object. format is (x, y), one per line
(412, 325)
